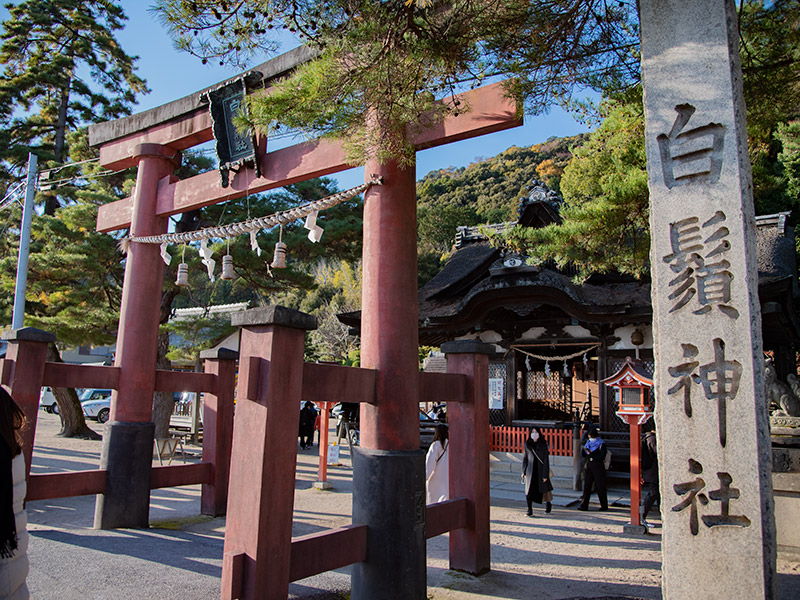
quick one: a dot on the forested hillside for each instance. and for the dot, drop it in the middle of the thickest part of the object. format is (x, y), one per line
(487, 191)
(492, 186)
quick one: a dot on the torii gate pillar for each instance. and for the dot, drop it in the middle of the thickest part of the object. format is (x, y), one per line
(127, 452)
(388, 468)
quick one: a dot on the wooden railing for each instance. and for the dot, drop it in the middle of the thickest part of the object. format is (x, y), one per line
(512, 439)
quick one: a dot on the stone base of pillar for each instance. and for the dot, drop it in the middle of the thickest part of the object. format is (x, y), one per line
(322, 485)
(389, 498)
(631, 529)
(127, 456)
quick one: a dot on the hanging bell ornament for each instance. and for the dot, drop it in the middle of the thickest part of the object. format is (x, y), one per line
(279, 257)
(183, 275)
(227, 267)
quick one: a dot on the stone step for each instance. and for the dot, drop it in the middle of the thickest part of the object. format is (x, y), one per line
(516, 467)
(516, 493)
(617, 496)
(562, 482)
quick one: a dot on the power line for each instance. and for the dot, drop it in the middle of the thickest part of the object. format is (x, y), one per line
(11, 194)
(46, 185)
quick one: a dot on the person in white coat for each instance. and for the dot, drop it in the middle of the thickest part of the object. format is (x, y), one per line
(437, 468)
(13, 520)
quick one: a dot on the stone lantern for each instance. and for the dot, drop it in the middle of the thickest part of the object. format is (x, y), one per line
(634, 407)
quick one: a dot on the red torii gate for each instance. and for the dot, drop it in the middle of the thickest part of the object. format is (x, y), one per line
(388, 468)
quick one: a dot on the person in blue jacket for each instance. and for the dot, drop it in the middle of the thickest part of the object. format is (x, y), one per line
(594, 470)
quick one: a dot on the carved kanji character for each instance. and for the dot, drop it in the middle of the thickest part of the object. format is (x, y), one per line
(693, 492)
(695, 155)
(701, 270)
(684, 373)
(720, 381)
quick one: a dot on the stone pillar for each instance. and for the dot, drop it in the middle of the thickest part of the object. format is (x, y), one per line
(389, 451)
(218, 428)
(27, 348)
(127, 451)
(258, 530)
(469, 454)
(711, 414)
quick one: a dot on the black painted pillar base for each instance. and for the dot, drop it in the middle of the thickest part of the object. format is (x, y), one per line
(389, 498)
(127, 456)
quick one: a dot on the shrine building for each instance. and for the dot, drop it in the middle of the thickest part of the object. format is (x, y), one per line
(554, 338)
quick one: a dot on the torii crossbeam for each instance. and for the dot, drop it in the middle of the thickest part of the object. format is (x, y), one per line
(490, 111)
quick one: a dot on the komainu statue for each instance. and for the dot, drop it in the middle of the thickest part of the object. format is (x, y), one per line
(783, 398)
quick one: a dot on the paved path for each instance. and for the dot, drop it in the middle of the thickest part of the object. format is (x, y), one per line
(567, 554)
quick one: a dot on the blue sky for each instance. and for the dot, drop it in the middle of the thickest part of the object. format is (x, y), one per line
(172, 74)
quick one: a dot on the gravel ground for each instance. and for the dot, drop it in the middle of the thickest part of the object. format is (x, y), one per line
(565, 555)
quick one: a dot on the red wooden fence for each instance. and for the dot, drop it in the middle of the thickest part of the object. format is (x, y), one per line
(512, 439)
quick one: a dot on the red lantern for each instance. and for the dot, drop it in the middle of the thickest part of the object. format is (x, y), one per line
(633, 393)
(634, 407)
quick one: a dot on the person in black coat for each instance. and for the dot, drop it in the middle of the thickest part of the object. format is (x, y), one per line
(536, 471)
(650, 473)
(594, 470)
(308, 416)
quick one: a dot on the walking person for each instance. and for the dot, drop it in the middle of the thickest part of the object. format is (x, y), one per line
(308, 416)
(13, 520)
(536, 471)
(594, 470)
(650, 474)
(437, 467)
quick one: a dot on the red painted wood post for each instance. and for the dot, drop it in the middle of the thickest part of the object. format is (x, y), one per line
(218, 428)
(137, 336)
(636, 471)
(389, 467)
(127, 452)
(258, 531)
(27, 348)
(389, 324)
(469, 450)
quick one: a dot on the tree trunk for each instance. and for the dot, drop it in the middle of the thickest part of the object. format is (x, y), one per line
(163, 402)
(51, 203)
(61, 124)
(73, 423)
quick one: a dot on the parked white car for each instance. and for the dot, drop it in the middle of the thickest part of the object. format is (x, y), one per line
(98, 406)
(47, 401)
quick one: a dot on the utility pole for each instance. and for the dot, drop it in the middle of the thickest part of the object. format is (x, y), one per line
(24, 244)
